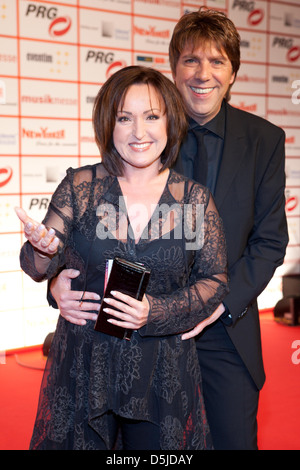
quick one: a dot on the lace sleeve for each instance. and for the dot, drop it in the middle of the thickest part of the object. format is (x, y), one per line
(208, 284)
(59, 216)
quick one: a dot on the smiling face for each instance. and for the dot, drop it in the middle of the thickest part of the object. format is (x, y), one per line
(140, 133)
(203, 76)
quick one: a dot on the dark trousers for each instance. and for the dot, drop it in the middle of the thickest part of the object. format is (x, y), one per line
(230, 395)
(139, 435)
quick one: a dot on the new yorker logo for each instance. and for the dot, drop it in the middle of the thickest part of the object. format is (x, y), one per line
(43, 133)
(59, 25)
(151, 31)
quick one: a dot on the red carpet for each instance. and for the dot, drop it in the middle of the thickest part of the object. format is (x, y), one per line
(279, 410)
(19, 397)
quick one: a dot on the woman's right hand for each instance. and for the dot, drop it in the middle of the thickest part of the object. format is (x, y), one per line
(70, 303)
(41, 238)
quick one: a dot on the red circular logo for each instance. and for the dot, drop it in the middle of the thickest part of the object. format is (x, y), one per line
(256, 17)
(60, 26)
(5, 176)
(293, 54)
(291, 203)
(114, 67)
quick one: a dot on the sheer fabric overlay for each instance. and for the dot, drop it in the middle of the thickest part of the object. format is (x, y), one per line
(90, 378)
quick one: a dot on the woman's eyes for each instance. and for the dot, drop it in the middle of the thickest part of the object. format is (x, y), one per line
(122, 119)
(150, 117)
(153, 117)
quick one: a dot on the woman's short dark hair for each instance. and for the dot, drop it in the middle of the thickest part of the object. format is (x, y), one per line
(112, 95)
(202, 27)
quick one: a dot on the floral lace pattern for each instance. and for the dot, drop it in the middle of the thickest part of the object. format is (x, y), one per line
(91, 377)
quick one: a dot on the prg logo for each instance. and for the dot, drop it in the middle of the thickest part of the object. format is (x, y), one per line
(59, 25)
(256, 15)
(293, 51)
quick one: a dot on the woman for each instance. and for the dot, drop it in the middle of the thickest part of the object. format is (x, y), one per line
(150, 386)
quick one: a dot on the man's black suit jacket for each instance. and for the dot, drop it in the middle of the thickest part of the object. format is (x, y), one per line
(250, 198)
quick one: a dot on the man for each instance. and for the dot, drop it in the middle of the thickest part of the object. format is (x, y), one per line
(244, 169)
(245, 173)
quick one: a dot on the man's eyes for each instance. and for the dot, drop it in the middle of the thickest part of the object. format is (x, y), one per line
(190, 61)
(196, 61)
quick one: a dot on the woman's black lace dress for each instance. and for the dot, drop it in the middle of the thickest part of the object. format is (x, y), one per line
(90, 376)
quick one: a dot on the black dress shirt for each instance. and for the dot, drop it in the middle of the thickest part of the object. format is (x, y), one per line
(213, 141)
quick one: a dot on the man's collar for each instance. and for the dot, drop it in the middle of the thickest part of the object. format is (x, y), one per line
(216, 125)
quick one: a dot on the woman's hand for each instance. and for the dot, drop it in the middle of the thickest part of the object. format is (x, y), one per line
(72, 306)
(132, 313)
(41, 238)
